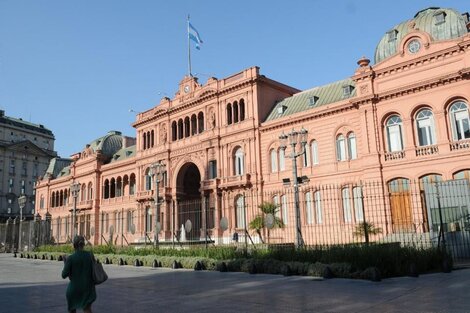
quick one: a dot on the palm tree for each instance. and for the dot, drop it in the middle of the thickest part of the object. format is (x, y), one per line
(364, 229)
(258, 222)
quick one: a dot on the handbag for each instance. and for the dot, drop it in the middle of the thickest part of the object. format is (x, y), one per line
(98, 274)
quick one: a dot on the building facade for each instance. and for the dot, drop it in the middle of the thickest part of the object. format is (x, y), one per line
(25, 152)
(404, 118)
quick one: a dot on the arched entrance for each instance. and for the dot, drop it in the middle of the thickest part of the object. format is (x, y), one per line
(188, 196)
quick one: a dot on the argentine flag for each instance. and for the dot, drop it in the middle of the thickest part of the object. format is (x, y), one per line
(194, 36)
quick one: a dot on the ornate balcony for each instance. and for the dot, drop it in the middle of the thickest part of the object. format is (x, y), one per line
(396, 155)
(460, 145)
(427, 150)
(235, 181)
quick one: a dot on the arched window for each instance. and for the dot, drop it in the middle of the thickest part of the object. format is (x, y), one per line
(285, 212)
(229, 113)
(144, 139)
(352, 150)
(340, 148)
(273, 155)
(235, 112)
(358, 206)
(148, 180)
(173, 131)
(394, 133)
(83, 193)
(132, 184)
(282, 159)
(306, 156)
(148, 140)
(53, 199)
(112, 188)
(180, 129)
(119, 187)
(240, 204)
(425, 128)
(318, 209)
(152, 138)
(106, 189)
(193, 124)
(459, 120)
(200, 122)
(242, 109)
(309, 207)
(464, 174)
(187, 127)
(400, 205)
(314, 152)
(90, 191)
(239, 162)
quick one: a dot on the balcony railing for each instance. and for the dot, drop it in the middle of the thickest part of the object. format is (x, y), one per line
(427, 150)
(396, 155)
(460, 145)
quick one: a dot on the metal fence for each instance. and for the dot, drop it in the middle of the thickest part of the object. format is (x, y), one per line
(424, 213)
(24, 235)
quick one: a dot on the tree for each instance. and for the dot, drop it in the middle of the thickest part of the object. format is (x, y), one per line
(364, 229)
(258, 222)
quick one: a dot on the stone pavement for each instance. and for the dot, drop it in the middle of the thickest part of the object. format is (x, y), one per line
(36, 286)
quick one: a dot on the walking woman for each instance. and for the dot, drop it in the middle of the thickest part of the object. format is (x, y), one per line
(81, 291)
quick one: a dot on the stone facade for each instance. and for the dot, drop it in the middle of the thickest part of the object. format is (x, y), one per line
(25, 152)
(404, 118)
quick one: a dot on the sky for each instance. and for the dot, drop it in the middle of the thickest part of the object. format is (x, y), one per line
(79, 67)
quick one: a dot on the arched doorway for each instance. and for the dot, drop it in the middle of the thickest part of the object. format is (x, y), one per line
(188, 194)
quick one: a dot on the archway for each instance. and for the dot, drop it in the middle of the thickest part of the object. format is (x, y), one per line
(188, 183)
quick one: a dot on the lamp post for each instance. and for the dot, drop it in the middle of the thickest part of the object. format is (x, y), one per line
(157, 170)
(293, 138)
(74, 189)
(22, 203)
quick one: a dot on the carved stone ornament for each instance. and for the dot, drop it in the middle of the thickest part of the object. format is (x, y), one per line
(364, 89)
(163, 134)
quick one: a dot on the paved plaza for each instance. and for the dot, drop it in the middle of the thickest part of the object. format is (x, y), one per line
(28, 285)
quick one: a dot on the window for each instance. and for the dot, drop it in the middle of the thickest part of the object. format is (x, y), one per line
(229, 113)
(239, 162)
(394, 134)
(347, 91)
(24, 169)
(314, 152)
(282, 159)
(200, 122)
(340, 148)
(273, 154)
(148, 220)
(276, 202)
(460, 121)
(148, 180)
(392, 35)
(309, 207)
(242, 110)
(132, 185)
(318, 209)
(240, 204)
(41, 202)
(425, 128)
(312, 101)
(352, 150)
(10, 185)
(235, 112)
(173, 131)
(35, 170)
(23, 187)
(90, 191)
(306, 156)
(12, 167)
(358, 208)
(347, 214)
(212, 169)
(439, 18)
(464, 174)
(285, 213)
(130, 221)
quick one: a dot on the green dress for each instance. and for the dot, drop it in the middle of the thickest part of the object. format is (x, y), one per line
(81, 289)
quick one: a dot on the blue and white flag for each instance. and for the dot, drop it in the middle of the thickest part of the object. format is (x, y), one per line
(194, 36)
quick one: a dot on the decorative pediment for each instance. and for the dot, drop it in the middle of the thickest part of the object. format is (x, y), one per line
(29, 147)
(207, 92)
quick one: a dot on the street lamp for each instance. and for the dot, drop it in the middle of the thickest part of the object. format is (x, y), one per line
(74, 189)
(157, 170)
(293, 138)
(22, 203)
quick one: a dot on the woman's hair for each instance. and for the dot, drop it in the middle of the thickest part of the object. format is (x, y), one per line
(78, 242)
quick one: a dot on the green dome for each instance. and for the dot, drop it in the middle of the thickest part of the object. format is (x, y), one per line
(108, 144)
(440, 24)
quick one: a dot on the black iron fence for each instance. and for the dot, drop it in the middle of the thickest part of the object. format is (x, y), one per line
(16, 235)
(424, 213)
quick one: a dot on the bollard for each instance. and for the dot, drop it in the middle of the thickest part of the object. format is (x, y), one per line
(155, 264)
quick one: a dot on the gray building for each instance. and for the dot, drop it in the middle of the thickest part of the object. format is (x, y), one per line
(25, 152)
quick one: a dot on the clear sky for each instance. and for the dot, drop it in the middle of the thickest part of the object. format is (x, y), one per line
(79, 66)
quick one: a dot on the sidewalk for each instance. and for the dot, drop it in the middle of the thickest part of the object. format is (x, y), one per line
(28, 285)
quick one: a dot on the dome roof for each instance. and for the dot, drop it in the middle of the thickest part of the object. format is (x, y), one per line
(108, 144)
(440, 24)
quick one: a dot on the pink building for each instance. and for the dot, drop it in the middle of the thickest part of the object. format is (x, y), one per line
(402, 120)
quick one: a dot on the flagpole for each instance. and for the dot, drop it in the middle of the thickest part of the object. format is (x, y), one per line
(189, 52)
